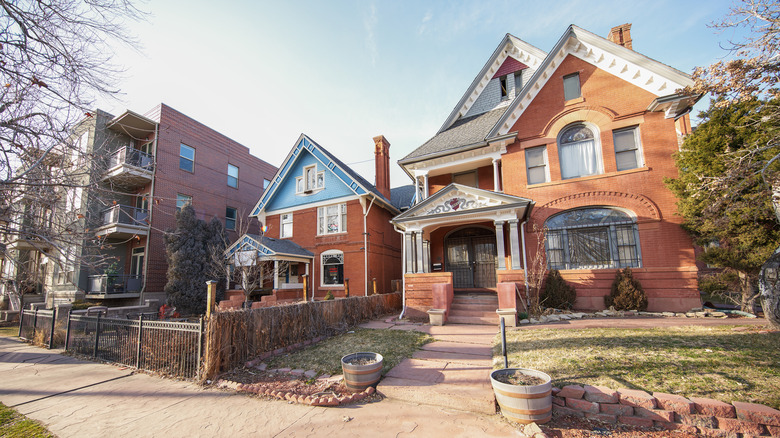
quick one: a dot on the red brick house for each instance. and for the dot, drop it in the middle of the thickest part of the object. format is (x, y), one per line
(325, 221)
(577, 141)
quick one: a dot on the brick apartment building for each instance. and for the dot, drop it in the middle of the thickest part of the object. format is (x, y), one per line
(577, 141)
(149, 166)
(324, 220)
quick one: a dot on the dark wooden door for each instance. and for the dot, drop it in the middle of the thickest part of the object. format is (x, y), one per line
(471, 257)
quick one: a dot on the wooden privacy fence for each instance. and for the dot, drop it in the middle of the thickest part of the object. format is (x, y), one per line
(234, 337)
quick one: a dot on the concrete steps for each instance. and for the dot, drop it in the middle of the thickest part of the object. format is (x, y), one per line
(474, 308)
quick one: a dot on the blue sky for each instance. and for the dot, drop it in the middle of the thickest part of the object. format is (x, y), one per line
(342, 72)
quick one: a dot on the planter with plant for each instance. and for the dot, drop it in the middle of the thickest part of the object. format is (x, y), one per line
(524, 396)
(361, 370)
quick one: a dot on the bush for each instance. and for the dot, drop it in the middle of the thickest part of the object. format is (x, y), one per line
(556, 292)
(328, 296)
(626, 293)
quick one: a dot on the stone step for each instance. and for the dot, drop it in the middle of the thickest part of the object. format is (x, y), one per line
(473, 312)
(471, 307)
(476, 320)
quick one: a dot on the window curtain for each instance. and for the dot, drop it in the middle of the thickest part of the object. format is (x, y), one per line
(578, 159)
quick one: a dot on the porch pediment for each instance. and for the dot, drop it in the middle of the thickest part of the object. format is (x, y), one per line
(268, 248)
(458, 202)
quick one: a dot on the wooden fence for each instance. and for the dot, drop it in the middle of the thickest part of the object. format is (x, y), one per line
(234, 337)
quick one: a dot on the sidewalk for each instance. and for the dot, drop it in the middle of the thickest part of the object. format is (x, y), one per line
(84, 399)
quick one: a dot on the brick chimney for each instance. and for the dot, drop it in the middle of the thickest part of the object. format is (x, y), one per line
(621, 35)
(382, 162)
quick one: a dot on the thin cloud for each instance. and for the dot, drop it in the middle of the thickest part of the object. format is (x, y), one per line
(424, 24)
(369, 23)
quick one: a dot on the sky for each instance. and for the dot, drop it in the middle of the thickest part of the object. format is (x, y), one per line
(342, 72)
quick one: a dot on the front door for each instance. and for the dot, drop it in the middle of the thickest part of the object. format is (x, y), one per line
(471, 257)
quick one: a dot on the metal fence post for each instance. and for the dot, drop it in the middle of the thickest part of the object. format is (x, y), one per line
(21, 321)
(140, 335)
(200, 348)
(67, 330)
(97, 335)
(35, 325)
(53, 321)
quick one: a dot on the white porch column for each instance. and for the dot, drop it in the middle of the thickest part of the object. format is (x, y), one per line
(419, 253)
(496, 180)
(426, 256)
(425, 186)
(514, 242)
(501, 252)
(276, 274)
(409, 251)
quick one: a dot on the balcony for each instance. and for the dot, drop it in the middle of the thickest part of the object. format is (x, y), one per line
(130, 168)
(124, 222)
(29, 240)
(114, 286)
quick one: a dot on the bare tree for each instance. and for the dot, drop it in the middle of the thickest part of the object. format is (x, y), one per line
(537, 271)
(55, 59)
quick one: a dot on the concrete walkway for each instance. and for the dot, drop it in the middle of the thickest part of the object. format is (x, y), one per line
(74, 398)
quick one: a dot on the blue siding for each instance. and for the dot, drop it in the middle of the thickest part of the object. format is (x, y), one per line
(285, 196)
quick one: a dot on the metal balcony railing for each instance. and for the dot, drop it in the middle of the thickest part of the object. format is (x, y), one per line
(126, 215)
(115, 284)
(131, 157)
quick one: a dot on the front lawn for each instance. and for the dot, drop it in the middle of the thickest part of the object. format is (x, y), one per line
(325, 357)
(16, 425)
(9, 330)
(722, 363)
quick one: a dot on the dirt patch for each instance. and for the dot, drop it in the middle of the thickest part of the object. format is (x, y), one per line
(518, 378)
(576, 427)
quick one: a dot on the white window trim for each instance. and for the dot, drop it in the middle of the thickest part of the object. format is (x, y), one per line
(640, 156)
(306, 190)
(546, 166)
(231, 176)
(282, 222)
(322, 213)
(597, 143)
(327, 253)
(235, 219)
(182, 156)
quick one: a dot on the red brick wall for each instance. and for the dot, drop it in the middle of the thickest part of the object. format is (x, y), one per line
(207, 184)
(384, 248)
(609, 103)
(419, 296)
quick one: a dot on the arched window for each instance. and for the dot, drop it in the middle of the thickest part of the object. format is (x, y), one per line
(579, 152)
(592, 238)
(332, 268)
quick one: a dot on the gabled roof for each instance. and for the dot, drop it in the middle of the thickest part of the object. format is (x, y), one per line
(268, 247)
(459, 133)
(356, 183)
(634, 67)
(459, 200)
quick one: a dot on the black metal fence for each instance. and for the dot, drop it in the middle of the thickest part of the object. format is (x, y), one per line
(37, 326)
(173, 348)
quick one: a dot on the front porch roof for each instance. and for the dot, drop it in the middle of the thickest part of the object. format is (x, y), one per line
(270, 249)
(459, 204)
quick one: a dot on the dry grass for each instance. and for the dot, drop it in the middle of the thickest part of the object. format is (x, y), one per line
(714, 362)
(16, 425)
(9, 330)
(325, 357)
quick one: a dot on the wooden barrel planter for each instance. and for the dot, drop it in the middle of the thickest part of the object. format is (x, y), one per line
(361, 370)
(523, 403)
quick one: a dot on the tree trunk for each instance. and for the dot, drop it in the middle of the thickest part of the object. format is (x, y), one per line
(769, 287)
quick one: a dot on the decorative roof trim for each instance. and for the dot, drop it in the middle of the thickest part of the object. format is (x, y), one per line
(646, 73)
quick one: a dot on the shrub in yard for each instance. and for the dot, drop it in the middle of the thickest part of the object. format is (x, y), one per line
(328, 296)
(626, 293)
(556, 292)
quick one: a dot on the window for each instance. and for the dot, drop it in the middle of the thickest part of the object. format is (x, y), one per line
(182, 200)
(332, 268)
(571, 86)
(186, 158)
(627, 152)
(310, 180)
(466, 178)
(578, 152)
(504, 89)
(332, 219)
(536, 164)
(266, 183)
(287, 225)
(518, 82)
(592, 238)
(232, 176)
(230, 218)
